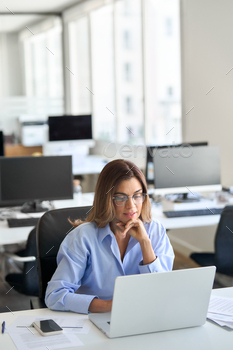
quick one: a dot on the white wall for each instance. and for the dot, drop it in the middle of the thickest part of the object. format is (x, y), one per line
(11, 85)
(207, 55)
(10, 65)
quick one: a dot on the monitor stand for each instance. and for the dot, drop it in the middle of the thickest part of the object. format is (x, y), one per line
(33, 207)
(186, 199)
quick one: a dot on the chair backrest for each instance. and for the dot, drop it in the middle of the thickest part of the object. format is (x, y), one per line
(30, 283)
(224, 242)
(52, 228)
(1, 144)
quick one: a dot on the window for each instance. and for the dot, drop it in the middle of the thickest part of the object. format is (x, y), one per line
(162, 72)
(125, 56)
(128, 74)
(170, 91)
(43, 64)
(79, 66)
(103, 79)
(129, 89)
(127, 39)
(128, 105)
(168, 26)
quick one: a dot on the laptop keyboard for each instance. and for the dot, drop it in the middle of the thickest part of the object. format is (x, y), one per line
(14, 222)
(193, 212)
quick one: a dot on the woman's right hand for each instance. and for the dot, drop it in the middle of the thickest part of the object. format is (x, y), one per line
(100, 305)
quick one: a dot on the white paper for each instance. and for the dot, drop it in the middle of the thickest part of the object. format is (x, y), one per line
(68, 321)
(77, 325)
(221, 305)
(223, 324)
(221, 311)
(21, 321)
(28, 338)
(28, 341)
(219, 317)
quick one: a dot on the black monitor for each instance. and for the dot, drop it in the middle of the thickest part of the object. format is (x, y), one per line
(70, 128)
(151, 150)
(35, 179)
(1, 143)
(194, 169)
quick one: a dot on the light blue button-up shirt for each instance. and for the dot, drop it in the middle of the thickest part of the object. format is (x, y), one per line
(89, 261)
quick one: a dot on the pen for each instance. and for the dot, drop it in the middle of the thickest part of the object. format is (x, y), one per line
(3, 326)
(32, 326)
(71, 327)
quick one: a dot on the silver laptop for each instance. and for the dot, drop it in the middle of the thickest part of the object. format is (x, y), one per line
(157, 302)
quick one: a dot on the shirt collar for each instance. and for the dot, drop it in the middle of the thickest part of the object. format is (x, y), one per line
(104, 232)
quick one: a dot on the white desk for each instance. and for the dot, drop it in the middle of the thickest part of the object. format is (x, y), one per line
(207, 337)
(20, 234)
(182, 222)
(90, 164)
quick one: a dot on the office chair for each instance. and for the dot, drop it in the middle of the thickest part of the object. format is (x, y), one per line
(27, 280)
(1, 143)
(222, 258)
(52, 228)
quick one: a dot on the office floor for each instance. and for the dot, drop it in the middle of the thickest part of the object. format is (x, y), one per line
(11, 300)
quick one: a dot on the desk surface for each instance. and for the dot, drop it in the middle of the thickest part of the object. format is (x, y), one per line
(209, 336)
(20, 234)
(182, 222)
(90, 164)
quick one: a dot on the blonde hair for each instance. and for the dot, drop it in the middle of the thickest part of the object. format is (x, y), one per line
(112, 174)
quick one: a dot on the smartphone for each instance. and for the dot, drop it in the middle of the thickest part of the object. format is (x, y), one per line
(47, 327)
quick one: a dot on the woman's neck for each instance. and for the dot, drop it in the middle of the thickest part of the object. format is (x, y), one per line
(122, 241)
(118, 231)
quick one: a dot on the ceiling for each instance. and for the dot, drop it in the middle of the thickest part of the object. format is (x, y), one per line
(10, 23)
(35, 6)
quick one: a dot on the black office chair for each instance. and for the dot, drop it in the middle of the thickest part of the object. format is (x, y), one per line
(1, 143)
(223, 256)
(51, 230)
(26, 281)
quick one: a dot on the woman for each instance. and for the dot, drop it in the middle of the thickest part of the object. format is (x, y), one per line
(117, 238)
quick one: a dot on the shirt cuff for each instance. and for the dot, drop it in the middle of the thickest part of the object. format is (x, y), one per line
(155, 266)
(78, 302)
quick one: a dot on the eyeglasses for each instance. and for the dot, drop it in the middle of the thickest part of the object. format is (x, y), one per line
(138, 198)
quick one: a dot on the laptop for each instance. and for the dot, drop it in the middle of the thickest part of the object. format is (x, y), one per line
(155, 302)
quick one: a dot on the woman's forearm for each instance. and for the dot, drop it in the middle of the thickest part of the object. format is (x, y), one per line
(100, 305)
(147, 252)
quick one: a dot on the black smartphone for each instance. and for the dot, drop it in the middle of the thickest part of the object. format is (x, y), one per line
(47, 327)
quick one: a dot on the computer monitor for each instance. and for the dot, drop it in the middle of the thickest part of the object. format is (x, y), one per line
(1, 143)
(35, 179)
(195, 169)
(70, 128)
(151, 150)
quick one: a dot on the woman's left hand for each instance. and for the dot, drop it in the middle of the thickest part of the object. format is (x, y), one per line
(135, 228)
